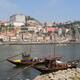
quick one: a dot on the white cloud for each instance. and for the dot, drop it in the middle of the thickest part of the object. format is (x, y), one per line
(7, 8)
(6, 3)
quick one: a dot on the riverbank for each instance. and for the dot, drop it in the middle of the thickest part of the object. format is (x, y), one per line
(36, 43)
(69, 74)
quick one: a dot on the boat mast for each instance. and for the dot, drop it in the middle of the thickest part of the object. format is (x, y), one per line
(54, 45)
(30, 49)
(51, 61)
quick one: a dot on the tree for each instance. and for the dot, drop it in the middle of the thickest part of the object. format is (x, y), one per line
(10, 27)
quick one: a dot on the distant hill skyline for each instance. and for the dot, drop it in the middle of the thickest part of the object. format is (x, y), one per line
(42, 10)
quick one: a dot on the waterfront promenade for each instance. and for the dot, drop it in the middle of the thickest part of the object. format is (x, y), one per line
(37, 43)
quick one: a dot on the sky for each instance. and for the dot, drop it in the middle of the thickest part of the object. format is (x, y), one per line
(43, 10)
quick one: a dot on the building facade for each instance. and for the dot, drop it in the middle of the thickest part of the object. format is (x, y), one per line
(17, 20)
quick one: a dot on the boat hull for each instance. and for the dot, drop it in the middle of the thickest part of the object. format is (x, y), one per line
(54, 69)
(26, 63)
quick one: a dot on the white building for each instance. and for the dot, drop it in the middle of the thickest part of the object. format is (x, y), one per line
(34, 25)
(17, 20)
(50, 24)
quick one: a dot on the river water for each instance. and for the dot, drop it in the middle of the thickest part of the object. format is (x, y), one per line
(9, 71)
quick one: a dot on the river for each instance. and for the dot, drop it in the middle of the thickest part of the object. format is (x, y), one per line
(8, 70)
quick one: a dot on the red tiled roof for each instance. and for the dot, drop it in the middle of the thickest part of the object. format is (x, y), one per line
(51, 29)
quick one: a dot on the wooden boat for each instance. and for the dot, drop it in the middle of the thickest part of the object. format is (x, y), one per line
(54, 65)
(25, 61)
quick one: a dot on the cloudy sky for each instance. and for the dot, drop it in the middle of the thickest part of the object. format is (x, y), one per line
(43, 10)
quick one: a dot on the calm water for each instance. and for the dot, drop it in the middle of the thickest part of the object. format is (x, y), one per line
(7, 70)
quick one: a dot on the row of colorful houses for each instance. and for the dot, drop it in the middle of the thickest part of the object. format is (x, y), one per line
(21, 23)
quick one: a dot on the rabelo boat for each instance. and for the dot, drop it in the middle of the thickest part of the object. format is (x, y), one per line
(26, 60)
(54, 64)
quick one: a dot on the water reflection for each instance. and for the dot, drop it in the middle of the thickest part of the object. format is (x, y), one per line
(7, 69)
(29, 73)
